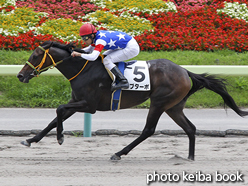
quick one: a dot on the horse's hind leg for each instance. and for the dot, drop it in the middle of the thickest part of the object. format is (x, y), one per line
(45, 131)
(151, 123)
(176, 113)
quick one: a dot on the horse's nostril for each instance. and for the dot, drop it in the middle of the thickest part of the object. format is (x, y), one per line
(19, 75)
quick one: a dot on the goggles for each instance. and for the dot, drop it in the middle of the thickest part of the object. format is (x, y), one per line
(85, 38)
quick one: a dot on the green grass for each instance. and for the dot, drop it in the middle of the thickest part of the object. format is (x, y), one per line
(52, 91)
(14, 58)
(39, 92)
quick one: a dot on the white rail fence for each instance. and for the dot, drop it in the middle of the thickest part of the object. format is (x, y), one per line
(227, 70)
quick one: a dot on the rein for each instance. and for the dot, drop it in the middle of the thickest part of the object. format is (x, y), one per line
(38, 69)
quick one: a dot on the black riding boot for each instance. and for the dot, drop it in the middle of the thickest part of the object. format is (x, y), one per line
(123, 83)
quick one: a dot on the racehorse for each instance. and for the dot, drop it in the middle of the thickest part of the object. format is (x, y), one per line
(171, 86)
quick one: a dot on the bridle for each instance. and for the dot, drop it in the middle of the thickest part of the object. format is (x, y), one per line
(38, 69)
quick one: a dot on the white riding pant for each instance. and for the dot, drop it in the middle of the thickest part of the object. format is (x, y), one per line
(114, 56)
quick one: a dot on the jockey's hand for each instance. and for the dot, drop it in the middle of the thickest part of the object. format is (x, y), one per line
(75, 54)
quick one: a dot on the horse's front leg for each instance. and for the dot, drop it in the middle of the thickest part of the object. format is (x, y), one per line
(45, 131)
(80, 106)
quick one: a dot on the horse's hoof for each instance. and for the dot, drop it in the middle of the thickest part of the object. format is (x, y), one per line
(25, 143)
(115, 157)
(61, 140)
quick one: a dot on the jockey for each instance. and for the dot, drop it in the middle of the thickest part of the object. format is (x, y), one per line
(119, 45)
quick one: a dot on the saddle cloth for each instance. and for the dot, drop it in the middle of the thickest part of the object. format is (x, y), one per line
(137, 74)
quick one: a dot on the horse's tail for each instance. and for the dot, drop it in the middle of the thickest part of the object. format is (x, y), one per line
(216, 84)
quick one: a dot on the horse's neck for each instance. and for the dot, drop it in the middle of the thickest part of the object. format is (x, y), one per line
(75, 66)
(71, 66)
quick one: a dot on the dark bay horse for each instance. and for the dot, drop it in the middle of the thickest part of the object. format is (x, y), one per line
(170, 88)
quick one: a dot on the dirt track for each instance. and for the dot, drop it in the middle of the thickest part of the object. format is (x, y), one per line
(85, 161)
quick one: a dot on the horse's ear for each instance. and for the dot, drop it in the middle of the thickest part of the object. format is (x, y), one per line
(47, 44)
(70, 49)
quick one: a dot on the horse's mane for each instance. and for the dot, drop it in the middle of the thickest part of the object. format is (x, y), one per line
(67, 47)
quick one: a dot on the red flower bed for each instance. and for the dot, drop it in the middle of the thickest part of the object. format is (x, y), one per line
(202, 29)
(25, 41)
(7, 9)
(28, 41)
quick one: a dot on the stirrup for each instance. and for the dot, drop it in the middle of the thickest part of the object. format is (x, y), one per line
(120, 85)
